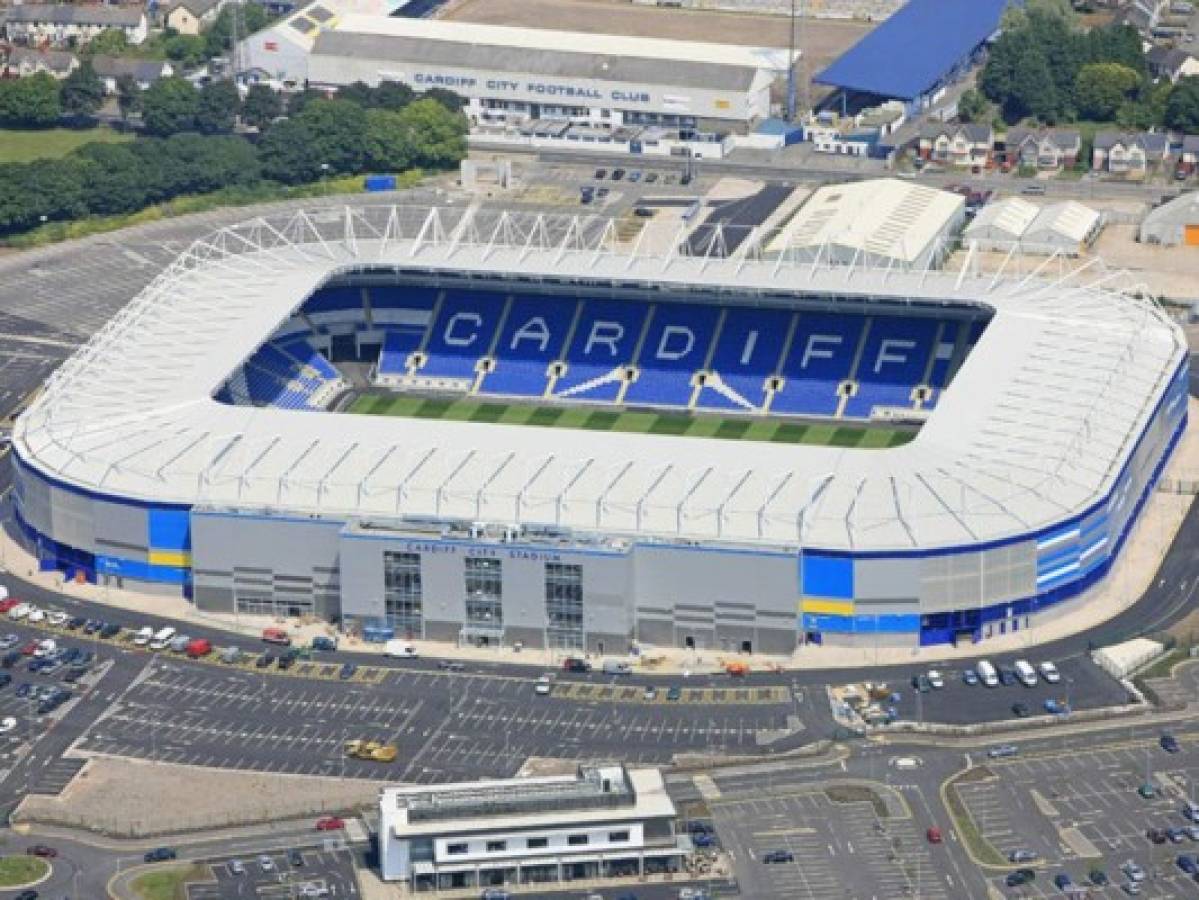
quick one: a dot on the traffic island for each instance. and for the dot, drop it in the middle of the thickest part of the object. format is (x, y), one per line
(168, 883)
(22, 871)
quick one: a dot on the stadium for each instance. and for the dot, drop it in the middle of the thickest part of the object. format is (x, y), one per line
(472, 425)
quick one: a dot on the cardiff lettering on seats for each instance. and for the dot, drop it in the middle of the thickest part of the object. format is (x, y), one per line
(887, 352)
(467, 334)
(607, 334)
(820, 346)
(535, 330)
(676, 342)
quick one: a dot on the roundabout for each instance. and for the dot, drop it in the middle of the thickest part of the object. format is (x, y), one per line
(23, 871)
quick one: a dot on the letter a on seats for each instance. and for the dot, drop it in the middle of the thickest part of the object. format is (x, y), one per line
(533, 330)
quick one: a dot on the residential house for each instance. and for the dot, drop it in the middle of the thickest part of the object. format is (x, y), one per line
(962, 146)
(1171, 62)
(25, 61)
(1046, 150)
(71, 24)
(1143, 15)
(192, 16)
(1188, 159)
(1130, 155)
(143, 71)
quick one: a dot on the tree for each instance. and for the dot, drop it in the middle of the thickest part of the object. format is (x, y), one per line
(196, 164)
(109, 42)
(393, 95)
(1101, 88)
(186, 49)
(217, 107)
(169, 106)
(296, 103)
(31, 102)
(53, 188)
(218, 38)
(972, 106)
(451, 101)
(284, 153)
(1182, 106)
(337, 129)
(436, 135)
(1147, 109)
(82, 91)
(388, 142)
(129, 96)
(116, 182)
(359, 92)
(261, 106)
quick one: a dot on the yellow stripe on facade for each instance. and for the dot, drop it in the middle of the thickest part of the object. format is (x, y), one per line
(178, 558)
(831, 607)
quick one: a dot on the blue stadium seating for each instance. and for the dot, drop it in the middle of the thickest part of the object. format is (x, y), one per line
(604, 341)
(747, 353)
(943, 355)
(819, 359)
(398, 344)
(675, 348)
(893, 362)
(334, 303)
(462, 333)
(287, 376)
(400, 297)
(531, 339)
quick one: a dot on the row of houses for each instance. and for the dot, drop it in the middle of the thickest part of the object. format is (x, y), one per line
(22, 62)
(1127, 154)
(60, 25)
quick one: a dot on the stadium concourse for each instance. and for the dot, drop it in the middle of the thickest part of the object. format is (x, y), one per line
(190, 445)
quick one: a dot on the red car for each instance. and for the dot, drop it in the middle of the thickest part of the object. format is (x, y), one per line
(933, 835)
(330, 823)
(29, 649)
(41, 850)
(9, 603)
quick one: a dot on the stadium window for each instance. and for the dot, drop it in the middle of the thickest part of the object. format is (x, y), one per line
(538, 843)
(456, 849)
(618, 837)
(403, 592)
(497, 846)
(564, 606)
(578, 840)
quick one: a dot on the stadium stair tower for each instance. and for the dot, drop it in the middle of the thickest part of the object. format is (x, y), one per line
(850, 387)
(632, 364)
(706, 376)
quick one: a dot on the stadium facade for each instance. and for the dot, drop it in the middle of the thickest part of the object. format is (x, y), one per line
(187, 447)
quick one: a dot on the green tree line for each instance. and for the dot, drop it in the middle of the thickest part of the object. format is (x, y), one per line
(188, 149)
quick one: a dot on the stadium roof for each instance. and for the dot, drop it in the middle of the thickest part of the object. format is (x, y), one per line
(1035, 427)
(885, 217)
(914, 49)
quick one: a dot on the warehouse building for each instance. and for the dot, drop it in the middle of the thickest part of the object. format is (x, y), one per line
(601, 822)
(880, 222)
(1173, 223)
(1067, 228)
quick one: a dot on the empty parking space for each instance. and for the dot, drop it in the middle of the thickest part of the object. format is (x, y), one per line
(275, 874)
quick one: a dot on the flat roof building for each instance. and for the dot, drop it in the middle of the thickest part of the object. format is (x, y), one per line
(602, 821)
(1067, 228)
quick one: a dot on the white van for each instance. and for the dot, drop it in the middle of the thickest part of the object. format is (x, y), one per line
(143, 637)
(1026, 673)
(162, 638)
(987, 674)
(400, 650)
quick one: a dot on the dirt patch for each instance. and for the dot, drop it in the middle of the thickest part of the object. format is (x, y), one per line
(125, 797)
(823, 39)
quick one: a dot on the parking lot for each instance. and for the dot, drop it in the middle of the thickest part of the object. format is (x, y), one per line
(1080, 810)
(324, 873)
(444, 724)
(841, 849)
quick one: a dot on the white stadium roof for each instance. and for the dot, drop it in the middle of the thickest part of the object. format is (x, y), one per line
(1036, 425)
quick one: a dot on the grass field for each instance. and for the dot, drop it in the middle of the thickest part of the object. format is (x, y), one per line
(18, 870)
(779, 431)
(51, 143)
(168, 884)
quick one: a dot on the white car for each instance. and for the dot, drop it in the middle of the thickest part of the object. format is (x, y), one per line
(37, 615)
(266, 863)
(543, 685)
(20, 611)
(936, 679)
(1050, 673)
(7, 724)
(236, 867)
(45, 648)
(1134, 872)
(57, 617)
(313, 890)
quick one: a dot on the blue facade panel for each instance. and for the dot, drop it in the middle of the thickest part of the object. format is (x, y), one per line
(169, 529)
(826, 576)
(142, 571)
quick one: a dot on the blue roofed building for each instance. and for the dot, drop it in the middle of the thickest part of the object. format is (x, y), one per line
(917, 52)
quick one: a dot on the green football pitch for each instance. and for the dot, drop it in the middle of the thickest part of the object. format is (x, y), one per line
(779, 431)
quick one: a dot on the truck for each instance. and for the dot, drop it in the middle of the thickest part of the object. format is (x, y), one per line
(1026, 673)
(616, 667)
(198, 648)
(276, 636)
(373, 751)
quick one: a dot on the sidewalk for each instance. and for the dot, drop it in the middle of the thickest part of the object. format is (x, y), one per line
(1131, 576)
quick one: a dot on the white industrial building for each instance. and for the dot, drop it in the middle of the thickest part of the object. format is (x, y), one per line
(533, 85)
(879, 222)
(601, 822)
(1066, 228)
(1173, 223)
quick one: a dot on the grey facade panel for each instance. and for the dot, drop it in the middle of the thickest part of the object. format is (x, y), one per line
(122, 525)
(886, 579)
(73, 519)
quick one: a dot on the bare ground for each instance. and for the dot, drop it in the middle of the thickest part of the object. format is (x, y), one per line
(125, 798)
(823, 39)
